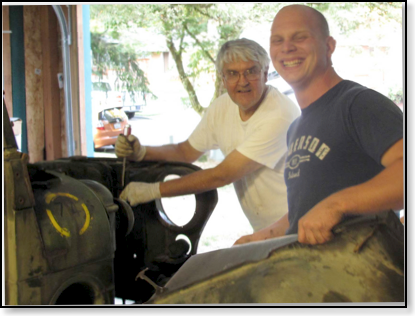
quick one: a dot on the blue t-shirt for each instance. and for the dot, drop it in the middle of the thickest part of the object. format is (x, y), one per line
(337, 142)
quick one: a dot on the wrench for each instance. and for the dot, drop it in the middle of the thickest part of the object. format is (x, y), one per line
(127, 132)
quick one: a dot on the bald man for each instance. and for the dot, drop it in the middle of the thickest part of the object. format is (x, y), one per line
(345, 153)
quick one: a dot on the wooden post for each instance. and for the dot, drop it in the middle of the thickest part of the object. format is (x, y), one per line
(73, 48)
(34, 83)
(81, 80)
(51, 93)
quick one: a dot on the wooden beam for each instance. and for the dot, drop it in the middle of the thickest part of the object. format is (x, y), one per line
(81, 79)
(62, 109)
(34, 83)
(7, 63)
(73, 49)
(51, 93)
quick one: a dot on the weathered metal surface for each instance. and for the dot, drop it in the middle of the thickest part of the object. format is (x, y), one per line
(364, 263)
(75, 221)
(60, 249)
(59, 245)
(151, 235)
(69, 241)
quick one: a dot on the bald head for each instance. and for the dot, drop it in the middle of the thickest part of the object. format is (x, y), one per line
(301, 48)
(308, 14)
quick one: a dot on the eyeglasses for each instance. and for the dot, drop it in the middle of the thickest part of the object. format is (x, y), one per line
(252, 74)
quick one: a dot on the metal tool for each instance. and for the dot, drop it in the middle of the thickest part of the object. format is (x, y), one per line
(141, 275)
(127, 132)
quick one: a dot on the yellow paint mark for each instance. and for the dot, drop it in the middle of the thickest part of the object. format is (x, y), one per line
(62, 231)
(87, 219)
(49, 197)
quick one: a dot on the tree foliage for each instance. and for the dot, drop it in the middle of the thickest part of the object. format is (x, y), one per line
(108, 53)
(199, 30)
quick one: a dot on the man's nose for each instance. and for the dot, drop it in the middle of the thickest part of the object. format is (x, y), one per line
(287, 47)
(242, 79)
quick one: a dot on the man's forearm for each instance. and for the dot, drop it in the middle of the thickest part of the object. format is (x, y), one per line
(381, 193)
(234, 167)
(182, 152)
(166, 153)
(194, 183)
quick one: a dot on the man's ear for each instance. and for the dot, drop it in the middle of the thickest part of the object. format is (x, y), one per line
(223, 80)
(266, 73)
(331, 46)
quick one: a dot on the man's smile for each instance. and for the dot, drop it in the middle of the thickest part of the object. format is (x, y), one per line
(244, 90)
(292, 63)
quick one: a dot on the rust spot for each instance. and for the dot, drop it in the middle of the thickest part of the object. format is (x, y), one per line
(36, 271)
(333, 297)
(35, 282)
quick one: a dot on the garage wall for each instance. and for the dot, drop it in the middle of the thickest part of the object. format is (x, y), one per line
(34, 82)
(31, 86)
(53, 102)
(7, 71)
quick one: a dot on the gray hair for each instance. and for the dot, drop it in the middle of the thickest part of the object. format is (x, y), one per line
(241, 49)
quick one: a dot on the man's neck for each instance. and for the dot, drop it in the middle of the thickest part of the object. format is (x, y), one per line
(313, 91)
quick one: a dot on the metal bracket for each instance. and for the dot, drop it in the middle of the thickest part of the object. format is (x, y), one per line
(142, 276)
(23, 194)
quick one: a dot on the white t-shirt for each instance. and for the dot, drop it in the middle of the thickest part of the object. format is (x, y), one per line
(262, 138)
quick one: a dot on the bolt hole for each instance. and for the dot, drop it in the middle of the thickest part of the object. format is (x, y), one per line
(185, 238)
(77, 294)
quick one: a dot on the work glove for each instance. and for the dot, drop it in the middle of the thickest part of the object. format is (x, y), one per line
(130, 148)
(140, 192)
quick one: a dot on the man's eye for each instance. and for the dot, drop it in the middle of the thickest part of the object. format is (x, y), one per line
(276, 41)
(300, 38)
(253, 71)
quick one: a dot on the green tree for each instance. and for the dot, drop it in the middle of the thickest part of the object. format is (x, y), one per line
(186, 31)
(108, 53)
(187, 28)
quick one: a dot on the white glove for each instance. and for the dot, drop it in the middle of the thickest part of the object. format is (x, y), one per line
(140, 192)
(130, 148)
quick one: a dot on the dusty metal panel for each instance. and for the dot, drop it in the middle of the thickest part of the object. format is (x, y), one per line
(205, 265)
(364, 263)
(34, 82)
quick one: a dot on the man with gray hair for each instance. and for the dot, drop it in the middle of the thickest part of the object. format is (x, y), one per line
(248, 124)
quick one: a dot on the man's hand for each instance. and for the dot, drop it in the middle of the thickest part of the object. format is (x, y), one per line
(140, 192)
(383, 192)
(276, 229)
(245, 239)
(130, 148)
(315, 227)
